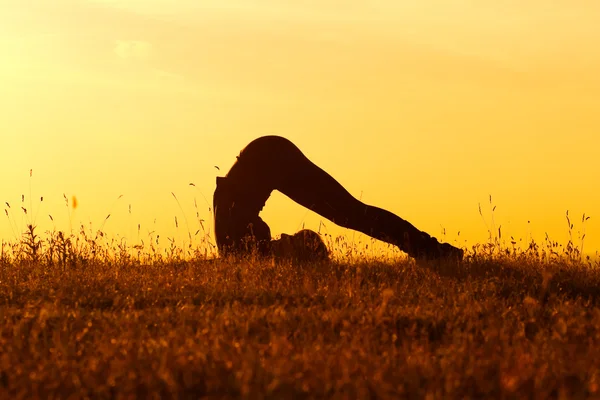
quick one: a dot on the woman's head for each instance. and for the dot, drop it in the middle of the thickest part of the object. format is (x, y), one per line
(305, 245)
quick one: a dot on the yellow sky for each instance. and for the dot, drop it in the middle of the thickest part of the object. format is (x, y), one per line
(423, 108)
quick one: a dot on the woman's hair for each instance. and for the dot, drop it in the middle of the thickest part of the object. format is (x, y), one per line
(305, 245)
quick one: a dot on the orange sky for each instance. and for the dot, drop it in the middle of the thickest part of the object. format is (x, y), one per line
(423, 108)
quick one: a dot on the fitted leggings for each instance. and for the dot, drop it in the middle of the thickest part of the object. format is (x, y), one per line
(275, 163)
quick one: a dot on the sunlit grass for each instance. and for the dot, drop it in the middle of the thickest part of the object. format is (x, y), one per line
(91, 316)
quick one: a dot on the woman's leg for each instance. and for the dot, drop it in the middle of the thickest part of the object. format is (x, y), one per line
(273, 162)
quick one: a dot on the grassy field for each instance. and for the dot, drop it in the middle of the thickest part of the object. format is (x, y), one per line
(84, 320)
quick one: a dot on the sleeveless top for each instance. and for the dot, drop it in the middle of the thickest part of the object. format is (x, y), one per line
(238, 227)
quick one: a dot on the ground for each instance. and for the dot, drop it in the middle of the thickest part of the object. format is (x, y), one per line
(495, 326)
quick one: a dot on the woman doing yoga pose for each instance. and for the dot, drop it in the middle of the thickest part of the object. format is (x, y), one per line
(274, 163)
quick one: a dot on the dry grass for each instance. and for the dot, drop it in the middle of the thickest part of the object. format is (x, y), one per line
(92, 318)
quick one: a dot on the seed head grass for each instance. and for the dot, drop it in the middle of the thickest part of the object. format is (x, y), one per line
(83, 315)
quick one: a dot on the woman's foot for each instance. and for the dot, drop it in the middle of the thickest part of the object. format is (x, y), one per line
(449, 252)
(429, 248)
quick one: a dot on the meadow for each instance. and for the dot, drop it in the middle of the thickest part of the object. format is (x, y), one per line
(85, 316)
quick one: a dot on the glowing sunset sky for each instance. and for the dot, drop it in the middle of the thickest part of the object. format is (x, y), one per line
(421, 107)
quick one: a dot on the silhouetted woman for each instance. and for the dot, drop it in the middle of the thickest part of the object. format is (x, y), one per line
(274, 163)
